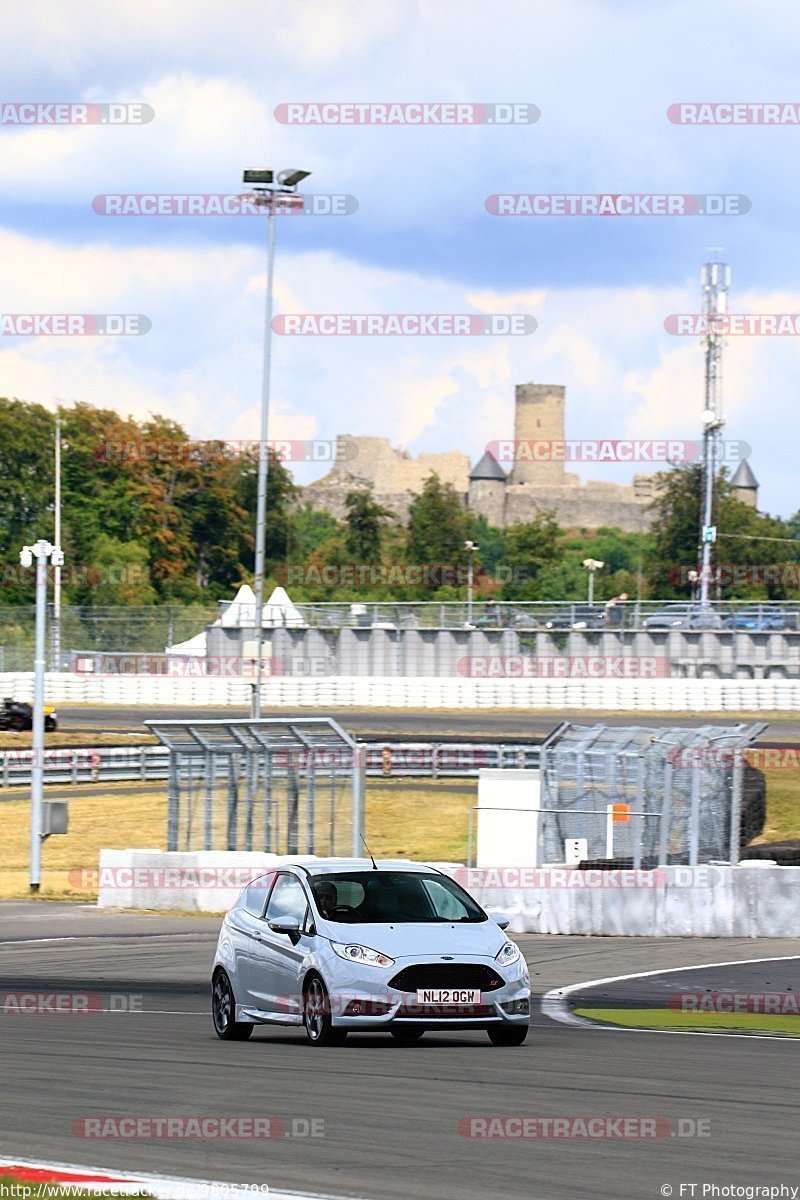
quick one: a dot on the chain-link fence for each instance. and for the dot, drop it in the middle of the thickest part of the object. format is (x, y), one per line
(648, 797)
(293, 786)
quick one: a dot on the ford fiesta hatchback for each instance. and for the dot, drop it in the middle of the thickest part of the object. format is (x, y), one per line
(334, 945)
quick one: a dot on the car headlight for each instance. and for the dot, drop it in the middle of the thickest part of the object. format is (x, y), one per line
(353, 952)
(508, 953)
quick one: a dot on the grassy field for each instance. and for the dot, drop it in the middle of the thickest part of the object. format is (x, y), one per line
(418, 820)
(425, 820)
(48, 1191)
(707, 1022)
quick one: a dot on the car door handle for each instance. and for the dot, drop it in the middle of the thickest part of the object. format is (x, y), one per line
(256, 935)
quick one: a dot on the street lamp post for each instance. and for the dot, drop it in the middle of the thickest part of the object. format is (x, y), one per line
(471, 548)
(592, 565)
(42, 552)
(269, 192)
(56, 567)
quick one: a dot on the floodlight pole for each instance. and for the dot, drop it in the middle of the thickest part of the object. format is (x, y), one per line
(470, 547)
(42, 552)
(263, 464)
(268, 194)
(56, 664)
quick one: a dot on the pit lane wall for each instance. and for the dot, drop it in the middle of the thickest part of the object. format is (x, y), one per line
(332, 691)
(758, 900)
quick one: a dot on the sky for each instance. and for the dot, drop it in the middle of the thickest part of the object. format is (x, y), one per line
(601, 73)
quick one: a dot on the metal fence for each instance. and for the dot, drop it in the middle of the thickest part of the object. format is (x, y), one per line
(151, 629)
(650, 797)
(282, 786)
(143, 764)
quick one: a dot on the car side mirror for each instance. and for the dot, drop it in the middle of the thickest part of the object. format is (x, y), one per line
(287, 925)
(500, 919)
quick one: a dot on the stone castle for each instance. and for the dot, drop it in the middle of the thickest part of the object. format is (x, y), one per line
(531, 486)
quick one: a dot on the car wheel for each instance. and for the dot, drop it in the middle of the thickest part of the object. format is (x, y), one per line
(508, 1035)
(223, 1007)
(403, 1034)
(317, 1015)
(17, 723)
(49, 725)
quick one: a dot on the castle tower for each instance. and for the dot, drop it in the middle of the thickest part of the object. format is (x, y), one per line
(745, 485)
(487, 490)
(538, 418)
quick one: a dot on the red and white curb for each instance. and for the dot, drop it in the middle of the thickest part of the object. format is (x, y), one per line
(163, 1187)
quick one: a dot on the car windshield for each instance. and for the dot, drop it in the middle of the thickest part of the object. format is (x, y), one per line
(392, 897)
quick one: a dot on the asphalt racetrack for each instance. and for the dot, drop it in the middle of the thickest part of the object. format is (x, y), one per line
(424, 725)
(390, 1113)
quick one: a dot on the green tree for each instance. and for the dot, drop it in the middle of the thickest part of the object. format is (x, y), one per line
(530, 547)
(750, 546)
(365, 521)
(438, 525)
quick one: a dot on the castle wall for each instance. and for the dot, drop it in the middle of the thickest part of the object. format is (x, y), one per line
(589, 506)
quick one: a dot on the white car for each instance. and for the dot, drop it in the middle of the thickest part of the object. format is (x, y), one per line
(334, 945)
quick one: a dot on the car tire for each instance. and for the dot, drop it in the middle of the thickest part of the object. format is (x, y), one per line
(317, 1014)
(17, 724)
(223, 1006)
(508, 1035)
(403, 1034)
(49, 725)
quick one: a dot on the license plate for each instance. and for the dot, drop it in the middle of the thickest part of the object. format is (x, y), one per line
(448, 996)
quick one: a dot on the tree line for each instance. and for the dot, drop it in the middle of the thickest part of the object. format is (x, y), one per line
(151, 517)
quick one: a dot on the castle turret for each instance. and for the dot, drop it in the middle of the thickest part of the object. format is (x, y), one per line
(745, 485)
(487, 490)
(538, 434)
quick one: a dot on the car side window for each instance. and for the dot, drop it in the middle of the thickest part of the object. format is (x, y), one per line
(287, 899)
(254, 896)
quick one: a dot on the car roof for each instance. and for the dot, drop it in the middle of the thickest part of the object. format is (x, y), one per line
(335, 866)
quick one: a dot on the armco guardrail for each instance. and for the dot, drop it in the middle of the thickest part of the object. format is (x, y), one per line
(127, 764)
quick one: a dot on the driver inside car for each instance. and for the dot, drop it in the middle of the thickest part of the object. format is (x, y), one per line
(327, 897)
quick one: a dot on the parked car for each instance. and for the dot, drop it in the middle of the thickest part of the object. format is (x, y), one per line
(497, 616)
(684, 616)
(18, 716)
(758, 617)
(340, 945)
(577, 616)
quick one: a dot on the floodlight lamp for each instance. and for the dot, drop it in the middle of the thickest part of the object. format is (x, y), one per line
(258, 175)
(292, 177)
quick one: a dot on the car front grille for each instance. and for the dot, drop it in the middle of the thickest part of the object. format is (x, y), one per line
(447, 975)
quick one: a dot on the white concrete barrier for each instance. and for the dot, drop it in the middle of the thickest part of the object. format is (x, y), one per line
(706, 901)
(671, 695)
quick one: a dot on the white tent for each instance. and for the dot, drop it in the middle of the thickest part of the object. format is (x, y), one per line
(278, 611)
(241, 610)
(195, 646)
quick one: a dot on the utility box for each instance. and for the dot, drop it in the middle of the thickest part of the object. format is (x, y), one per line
(508, 818)
(55, 817)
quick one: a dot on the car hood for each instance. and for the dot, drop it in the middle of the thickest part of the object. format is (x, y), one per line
(409, 940)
